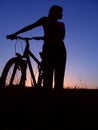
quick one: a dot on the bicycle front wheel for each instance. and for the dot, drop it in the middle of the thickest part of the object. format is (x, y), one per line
(13, 73)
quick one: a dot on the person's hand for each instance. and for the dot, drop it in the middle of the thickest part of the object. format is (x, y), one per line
(12, 36)
(38, 38)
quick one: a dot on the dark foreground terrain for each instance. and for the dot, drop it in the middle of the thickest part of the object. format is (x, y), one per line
(30, 108)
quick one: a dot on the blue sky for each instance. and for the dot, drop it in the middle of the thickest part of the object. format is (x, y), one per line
(81, 41)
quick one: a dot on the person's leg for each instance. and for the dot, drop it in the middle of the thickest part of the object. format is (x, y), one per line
(60, 65)
(47, 67)
(59, 76)
(48, 77)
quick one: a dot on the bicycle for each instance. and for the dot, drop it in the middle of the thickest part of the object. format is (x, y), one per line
(14, 72)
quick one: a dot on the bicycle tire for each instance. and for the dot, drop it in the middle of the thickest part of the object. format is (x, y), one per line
(10, 75)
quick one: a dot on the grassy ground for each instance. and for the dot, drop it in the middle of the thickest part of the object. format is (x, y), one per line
(31, 108)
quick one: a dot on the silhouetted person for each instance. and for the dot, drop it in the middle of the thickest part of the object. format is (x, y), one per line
(54, 51)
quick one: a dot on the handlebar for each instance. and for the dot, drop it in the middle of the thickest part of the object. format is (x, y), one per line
(27, 38)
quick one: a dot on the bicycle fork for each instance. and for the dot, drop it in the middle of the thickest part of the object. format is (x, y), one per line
(21, 64)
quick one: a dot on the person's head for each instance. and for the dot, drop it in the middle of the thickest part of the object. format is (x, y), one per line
(55, 12)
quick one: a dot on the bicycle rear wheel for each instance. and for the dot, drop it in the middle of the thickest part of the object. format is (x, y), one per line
(14, 73)
(40, 77)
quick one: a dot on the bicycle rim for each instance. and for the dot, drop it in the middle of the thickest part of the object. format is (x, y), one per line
(12, 73)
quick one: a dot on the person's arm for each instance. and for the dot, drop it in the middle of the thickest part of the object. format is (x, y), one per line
(27, 28)
(63, 31)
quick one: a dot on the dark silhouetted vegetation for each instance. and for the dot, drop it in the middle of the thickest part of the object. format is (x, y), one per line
(33, 108)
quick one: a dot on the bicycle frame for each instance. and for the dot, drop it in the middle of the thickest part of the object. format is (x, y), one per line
(27, 54)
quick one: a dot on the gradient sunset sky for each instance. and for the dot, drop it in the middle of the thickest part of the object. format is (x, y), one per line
(81, 41)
